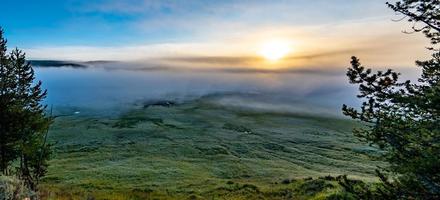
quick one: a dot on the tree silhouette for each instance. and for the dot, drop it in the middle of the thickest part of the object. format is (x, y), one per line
(424, 14)
(403, 118)
(23, 122)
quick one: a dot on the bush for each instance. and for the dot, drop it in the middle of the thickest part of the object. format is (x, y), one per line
(12, 188)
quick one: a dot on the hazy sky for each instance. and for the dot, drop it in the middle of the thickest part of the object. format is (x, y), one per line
(321, 33)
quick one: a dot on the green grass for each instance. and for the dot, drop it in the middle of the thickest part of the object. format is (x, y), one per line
(202, 149)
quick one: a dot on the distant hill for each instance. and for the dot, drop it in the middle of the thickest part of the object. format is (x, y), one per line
(57, 63)
(73, 64)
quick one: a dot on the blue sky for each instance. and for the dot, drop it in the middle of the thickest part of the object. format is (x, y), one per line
(112, 22)
(84, 30)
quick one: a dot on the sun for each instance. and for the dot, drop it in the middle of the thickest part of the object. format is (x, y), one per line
(274, 50)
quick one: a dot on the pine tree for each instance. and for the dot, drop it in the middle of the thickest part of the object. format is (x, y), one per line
(23, 121)
(8, 139)
(403, 118)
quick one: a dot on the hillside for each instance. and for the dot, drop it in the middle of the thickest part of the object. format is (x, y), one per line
(202, 148)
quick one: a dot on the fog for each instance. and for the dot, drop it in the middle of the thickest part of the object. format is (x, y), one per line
(117, 86)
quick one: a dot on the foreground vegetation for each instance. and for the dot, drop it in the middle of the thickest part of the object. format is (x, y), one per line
(307, 188)
(403, 118)
(201, 148)
(23, 123)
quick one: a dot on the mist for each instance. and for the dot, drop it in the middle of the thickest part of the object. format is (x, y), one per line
(112, 87)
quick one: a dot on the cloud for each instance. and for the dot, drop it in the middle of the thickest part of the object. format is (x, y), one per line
(136, 7)
(250, 60)
(195, 18)
(384, 50)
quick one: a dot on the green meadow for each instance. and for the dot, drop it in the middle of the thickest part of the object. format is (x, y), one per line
(203, 149)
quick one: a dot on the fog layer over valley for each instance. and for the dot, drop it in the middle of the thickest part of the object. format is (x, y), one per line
(110, 87)
(113, 86)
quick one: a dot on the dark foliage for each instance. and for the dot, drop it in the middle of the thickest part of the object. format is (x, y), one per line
(403, 118)
(56, 63)
(23, 122)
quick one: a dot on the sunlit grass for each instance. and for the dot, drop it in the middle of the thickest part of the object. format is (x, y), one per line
(197, 148)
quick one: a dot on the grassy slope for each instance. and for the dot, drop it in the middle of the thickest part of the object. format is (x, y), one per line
(200, 149)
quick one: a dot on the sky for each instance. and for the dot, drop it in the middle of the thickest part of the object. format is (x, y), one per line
(319, 33)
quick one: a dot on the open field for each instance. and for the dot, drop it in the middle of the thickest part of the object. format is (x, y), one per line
(202, 149)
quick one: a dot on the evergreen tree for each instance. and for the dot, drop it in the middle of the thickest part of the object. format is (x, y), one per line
(8, 139)
(403, 118)
(23, 121)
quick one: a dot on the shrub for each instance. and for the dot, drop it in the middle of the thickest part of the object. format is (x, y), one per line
(12, 188)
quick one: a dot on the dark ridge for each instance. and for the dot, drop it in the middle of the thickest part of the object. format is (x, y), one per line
(56, 63)
(163, 103)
